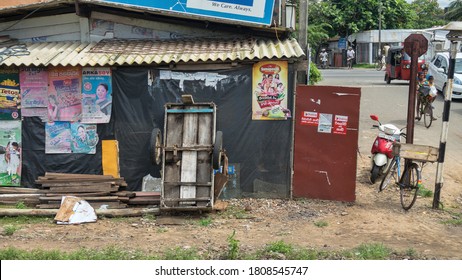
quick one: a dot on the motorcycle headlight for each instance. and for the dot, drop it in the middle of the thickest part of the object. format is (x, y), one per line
(457, 81)
(407, 66)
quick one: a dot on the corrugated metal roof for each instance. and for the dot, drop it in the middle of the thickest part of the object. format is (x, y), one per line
(141, 52)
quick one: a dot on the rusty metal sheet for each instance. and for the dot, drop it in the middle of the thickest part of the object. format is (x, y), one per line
(326, 142)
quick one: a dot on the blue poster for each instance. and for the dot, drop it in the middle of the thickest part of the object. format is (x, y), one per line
(251, 11)
(96, 95)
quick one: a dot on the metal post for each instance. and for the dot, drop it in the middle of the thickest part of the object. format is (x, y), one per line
(412, 94)
(380, 29)
(453, 37)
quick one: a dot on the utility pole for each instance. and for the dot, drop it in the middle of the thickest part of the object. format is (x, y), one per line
(454, 36)
(380, 30)
(303, 33)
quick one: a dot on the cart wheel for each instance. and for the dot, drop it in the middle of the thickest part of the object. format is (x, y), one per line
(216, 157)
(155, 146)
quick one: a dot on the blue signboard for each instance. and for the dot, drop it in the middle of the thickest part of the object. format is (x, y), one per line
(252, 11)
(342, 44)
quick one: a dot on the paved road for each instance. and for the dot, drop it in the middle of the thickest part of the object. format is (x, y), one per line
(390, 103)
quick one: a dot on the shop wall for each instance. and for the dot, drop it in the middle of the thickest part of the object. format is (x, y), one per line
(258, 150)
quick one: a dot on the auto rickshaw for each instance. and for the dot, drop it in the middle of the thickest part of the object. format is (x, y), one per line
(399, 64)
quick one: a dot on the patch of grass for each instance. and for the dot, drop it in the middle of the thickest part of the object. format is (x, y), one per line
(234, 212)
(182, 254)
(233, 247)
(149, 217)
(320, 223)
(364, 65)
(455, 221)
(162, 230)
(204, 222)
(9, 230)
(20, 220)
(424, 192)
(20, 205)
(375, 251)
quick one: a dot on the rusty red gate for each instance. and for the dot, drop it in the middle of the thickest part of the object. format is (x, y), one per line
(326, 142)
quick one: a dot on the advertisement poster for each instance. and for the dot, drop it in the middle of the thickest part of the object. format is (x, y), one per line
(10, 153)
(309, 118)
(340, 125)
(325, 123)
(269, 87)
(10, 98)
(96, 95)
(84, 138)
(34, 87)
(58, 138)
(64, 94)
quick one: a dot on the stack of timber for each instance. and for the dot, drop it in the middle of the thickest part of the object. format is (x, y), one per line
(98, 190)
(144, 199)
(13, 195)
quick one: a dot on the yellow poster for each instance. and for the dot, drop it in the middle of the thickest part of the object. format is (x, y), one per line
(269, 91)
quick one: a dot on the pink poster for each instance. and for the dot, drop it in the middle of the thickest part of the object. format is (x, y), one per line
(34, 87)
(64, 94)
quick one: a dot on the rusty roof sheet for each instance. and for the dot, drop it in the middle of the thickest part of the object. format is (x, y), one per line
(144, 52)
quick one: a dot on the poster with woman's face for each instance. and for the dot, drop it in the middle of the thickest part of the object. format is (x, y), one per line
(84, 138)
(64, 94)
(96, 95)
(10, 153)
(269, 91)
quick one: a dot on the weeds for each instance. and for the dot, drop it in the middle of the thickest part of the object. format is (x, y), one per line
(455, 221)
(9, 230)
(320, 223)
(424, 192)
(371, 252)
(205, 221)
(182, 254)
(233, 247)
(20, 205)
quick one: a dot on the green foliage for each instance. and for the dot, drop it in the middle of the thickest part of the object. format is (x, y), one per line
(315, 74)
(424, 192)
(320, 223)
(371, 252)
(182, 254)
(279, 247)
(427, 14)
(20, 205)
(205, 221)
(20, 220)
(9, 230)
(233, 247)
(455, 221)
(234, 212)
(454, 12)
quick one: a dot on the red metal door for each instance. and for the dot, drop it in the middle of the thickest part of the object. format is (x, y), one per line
(326, 142)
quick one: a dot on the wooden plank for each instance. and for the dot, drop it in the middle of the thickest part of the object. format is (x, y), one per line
(189, 158)
(80, 189)
(125, 194)
(79, 194)
(128, 212)
(50, 175)
(142, 194)
(77, 181)
(6, 190)
(90, 198)
(204, 168)
(171, 171)
(417, 152)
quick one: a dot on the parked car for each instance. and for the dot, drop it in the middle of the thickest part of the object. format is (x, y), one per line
(438, 68)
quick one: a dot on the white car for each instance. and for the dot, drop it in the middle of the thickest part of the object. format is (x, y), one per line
(438, 68)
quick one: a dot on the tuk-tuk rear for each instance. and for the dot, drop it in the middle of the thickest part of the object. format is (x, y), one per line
(399, 65)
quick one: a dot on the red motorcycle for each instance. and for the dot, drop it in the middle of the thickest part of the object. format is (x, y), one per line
(382, 147)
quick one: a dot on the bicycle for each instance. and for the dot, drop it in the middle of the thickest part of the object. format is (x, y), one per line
(424, 106)
(410, 180)
(379, 62)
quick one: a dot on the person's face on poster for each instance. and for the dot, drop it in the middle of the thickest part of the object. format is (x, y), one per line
(81, 133)
(101, 92)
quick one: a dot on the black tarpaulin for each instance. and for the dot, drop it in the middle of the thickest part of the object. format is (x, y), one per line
(259, 150)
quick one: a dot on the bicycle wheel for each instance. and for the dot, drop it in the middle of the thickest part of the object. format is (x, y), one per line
(378, 65)
(428, 115)
(391, 173)
(408, 186)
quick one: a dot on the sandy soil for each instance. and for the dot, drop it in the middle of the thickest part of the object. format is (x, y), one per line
(373, 218)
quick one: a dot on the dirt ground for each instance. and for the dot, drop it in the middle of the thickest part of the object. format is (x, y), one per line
(373, 218)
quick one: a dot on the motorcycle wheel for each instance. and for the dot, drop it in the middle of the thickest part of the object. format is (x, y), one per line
(387, 79)
(374, 173)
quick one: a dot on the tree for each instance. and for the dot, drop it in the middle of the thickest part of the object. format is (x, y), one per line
(427, 13)
(454, 11)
